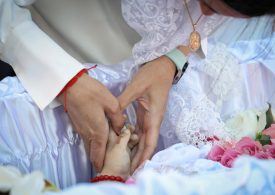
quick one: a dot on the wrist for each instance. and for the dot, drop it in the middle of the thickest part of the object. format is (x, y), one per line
(114, 173)
(184, 50)
(62, 96)
(170, 66)
(178, 57)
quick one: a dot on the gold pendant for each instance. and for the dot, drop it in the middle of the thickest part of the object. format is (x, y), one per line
(194, 41)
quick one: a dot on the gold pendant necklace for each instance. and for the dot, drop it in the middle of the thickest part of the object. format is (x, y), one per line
(195, 37)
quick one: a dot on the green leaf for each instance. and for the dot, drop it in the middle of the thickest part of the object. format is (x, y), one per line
(265, 140)
(269, 117)
(258, 136)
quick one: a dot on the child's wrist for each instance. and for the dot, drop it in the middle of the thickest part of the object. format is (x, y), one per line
(114, 173)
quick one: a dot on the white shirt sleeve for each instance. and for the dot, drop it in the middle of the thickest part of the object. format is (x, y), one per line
(42, 66)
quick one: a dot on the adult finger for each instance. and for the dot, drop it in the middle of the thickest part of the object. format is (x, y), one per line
(133, 152)
(85, 139)
(151, 129)
(115, 114)
(133, 91)
(139, 130)
(138, 154)
(98, 141)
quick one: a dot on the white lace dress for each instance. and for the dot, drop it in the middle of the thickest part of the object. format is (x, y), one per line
(237, 73)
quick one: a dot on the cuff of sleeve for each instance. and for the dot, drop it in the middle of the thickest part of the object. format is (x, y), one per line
(42, 66)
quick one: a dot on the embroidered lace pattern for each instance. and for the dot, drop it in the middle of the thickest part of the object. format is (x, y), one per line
(195, 112)
(224, 70)
(162, 25)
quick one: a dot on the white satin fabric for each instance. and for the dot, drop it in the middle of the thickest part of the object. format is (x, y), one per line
(236, 74)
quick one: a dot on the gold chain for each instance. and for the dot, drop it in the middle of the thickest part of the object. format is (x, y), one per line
(191, 19)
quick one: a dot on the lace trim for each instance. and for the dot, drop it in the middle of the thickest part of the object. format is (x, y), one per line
(196, 125)
(225, 72)
(196, 113)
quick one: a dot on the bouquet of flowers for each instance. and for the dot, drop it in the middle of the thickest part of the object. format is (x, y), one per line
(258, 140)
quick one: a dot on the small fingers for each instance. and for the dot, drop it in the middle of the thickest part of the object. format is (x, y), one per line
(125, 137)
(133, 141)
(130, 127)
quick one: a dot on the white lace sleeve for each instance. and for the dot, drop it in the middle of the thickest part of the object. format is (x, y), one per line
(157, 21)
(163, 25)
(194, 108)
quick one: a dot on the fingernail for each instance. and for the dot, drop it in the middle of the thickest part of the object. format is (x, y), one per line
(125, 116)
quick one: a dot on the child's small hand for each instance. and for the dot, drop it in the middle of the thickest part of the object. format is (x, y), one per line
(118, 154)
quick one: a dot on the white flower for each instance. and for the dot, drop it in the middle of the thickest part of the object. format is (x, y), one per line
(12, 180)
(247, 123)
(8, 177)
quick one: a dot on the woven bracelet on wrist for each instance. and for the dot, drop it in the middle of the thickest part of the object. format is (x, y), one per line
(71, 83)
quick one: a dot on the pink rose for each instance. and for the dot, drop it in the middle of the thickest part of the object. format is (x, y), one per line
(216, 153)
(130, 181)
(262, 155)
(270, 131)
(229, 156)
(247, 146)
(270, 150)
(229, 145)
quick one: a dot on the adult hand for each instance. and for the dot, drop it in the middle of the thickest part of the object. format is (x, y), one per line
(89, 103)
(150, 87)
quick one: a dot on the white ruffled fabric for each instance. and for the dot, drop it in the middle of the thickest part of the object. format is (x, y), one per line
(183, 169)
(34, 140)
(236, 74)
